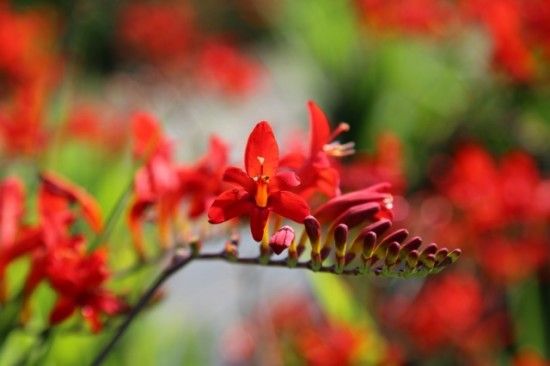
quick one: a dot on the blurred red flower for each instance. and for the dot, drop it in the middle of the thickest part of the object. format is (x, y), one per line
(503, 210)
(158, 33)
(221, 66)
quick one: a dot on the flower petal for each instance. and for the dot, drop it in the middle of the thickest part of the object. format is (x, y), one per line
(232, 203)
(147, 135)
(12, 197)
(59, 187)
(289, 205)
(286, 180)
(63, 308)
(261, 156)
(258, 220)
(239, 176)
(320, 128)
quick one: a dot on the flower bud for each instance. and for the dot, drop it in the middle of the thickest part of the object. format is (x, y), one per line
(340, 239)
(313, 230)
(282, 239)
(392, 254)
(412, 259)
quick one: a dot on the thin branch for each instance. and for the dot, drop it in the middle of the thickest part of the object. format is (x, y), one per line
(177, 263)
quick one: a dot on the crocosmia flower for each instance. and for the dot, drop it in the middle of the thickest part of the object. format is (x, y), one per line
(260, 188)
(316, 173)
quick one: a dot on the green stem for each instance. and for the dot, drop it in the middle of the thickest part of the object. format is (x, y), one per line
(115, 213)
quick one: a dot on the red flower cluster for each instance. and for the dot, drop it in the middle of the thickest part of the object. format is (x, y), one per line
(451, 310)
(161, 184)
(269, 186)
(414, 16)
(28, 67)
(168, 36)
(503, 211)
(296, 331)
(157, 33)
(58, 255)
(518, 29)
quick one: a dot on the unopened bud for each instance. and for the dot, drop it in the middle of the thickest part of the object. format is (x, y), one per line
(428, 260)
(231, 249)
(196, 245)
(282, 239)
(454, 255)
(368, 244)
(398, 236)
(341, 239)
(313, 230)
(412, 259)
(392, 254)
(430, 249)
(440, 255)
(413, 244)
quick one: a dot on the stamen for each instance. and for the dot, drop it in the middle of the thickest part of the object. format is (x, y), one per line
(341, 128)
(338, 150)
(261, 159)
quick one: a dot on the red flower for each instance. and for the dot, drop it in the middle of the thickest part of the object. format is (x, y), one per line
(447, 309)
(202, 182)
(503, 18)
(502, 211)
(260, 188)
(316, 173)
(156, 183)
(221, 66)
(413, 16)
(160, 34)
(78, 279)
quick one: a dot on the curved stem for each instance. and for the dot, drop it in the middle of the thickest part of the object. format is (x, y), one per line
(177, 263)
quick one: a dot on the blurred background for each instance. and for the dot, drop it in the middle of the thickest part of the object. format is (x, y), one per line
(448, 100)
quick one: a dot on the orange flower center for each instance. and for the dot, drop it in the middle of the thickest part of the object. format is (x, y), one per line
(262, 181)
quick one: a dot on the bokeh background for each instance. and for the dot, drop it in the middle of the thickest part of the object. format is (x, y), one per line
(448, 100)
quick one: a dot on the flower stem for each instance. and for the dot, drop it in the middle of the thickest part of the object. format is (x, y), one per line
(115, 213)
(176, 264)
(179, 262)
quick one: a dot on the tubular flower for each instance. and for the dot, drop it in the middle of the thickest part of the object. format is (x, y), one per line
(156, 183)
(260, 189)
(316, 173)
(202, 182)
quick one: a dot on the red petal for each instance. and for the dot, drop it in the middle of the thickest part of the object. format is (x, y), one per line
(261, 145)
(12, 197)
(91, 314)
(258, 220)
(135, 216)
(320, 128)
(60, 187)
(64, 308)
(147, 135)
(286, 180)
(239, 176)
(289, 205)
(232, 203)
